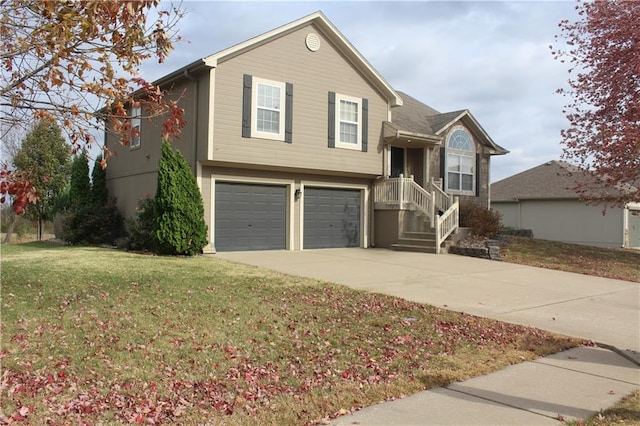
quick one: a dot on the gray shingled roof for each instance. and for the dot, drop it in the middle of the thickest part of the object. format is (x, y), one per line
(412, 116)
(416, 117)
(551, 180)
(437, 122)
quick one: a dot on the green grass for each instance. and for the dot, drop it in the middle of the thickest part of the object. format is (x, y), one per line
(97, 335)
(623, 264)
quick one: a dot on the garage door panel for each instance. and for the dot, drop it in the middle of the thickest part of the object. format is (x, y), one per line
(250, 217)
(331, 218)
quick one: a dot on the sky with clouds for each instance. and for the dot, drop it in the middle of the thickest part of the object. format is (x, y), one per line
(490, 57)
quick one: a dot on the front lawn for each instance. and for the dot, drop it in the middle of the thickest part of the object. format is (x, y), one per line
(622, 264)
(97, 335)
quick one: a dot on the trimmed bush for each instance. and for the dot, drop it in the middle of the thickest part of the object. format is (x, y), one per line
(93, 225)
(179, 227)
(483, 221)
(140, 229)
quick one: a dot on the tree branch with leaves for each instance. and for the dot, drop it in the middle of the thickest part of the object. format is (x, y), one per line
(77, 62)
(603, 137)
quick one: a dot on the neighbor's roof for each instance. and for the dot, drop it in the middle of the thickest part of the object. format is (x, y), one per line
(552, 180)
(323, 24)
(418, 118)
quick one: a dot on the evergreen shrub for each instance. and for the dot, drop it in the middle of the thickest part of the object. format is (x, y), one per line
(179, 227)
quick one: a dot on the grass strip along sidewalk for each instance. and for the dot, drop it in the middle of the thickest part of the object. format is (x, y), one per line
(97, 335)
(621, 264)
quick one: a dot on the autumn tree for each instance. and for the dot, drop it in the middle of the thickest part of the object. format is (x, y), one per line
(9, 147)
(603, 137)
(44, 157)
(77, 62)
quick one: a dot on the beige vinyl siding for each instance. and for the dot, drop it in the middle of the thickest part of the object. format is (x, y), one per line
(131, 189)
(313, 75)
(569, 221)
(132, 172)
(510, 213)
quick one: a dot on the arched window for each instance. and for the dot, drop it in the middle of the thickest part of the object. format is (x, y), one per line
(461, 173)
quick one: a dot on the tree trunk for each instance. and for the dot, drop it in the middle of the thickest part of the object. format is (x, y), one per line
(40, 219)
(7, 238)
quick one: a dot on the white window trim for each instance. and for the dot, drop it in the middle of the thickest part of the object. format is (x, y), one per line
(338, 142)
(136, 112)
(254, 113)
(461, 153)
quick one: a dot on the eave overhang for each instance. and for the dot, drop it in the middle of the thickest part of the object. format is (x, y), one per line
(392, 134)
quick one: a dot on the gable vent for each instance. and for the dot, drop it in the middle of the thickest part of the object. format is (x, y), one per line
(313, 42)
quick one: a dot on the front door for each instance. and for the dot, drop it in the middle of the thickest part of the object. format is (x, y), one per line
(415, 164)
(408, 162)
(397, 161)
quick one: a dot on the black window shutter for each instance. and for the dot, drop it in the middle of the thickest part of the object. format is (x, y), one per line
(332, 120)
(246, 106)
(365, 124)
(442, 167)
(478, 160)
(288, 114)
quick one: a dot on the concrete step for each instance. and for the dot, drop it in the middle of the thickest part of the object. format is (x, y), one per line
(417, 242)
(413, 248)
(420, 235)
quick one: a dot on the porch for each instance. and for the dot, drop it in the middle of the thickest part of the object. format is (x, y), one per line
(410, 217)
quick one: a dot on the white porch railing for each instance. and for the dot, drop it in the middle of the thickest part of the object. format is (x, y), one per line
(402, 192)
(446, 224)
(443, 200)
(405, 193)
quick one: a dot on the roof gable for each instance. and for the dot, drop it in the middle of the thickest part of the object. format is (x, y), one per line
(330, 32)
(418, 118)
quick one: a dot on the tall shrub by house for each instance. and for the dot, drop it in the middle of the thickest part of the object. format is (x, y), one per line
(92, 218)
(99, 192)
(80, 188)
(179, 228)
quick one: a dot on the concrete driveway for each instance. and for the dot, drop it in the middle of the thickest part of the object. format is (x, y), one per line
(603, 310)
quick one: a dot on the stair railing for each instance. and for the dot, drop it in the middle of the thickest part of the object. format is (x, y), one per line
(447, 223)
(403, 191)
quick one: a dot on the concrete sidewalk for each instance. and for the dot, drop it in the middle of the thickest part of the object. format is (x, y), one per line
(569, 385)
(572, 384)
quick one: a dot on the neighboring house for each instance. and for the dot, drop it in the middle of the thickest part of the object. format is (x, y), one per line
(542, 199)
(297, 142)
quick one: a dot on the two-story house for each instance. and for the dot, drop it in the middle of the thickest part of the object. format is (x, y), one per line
(297, 142)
